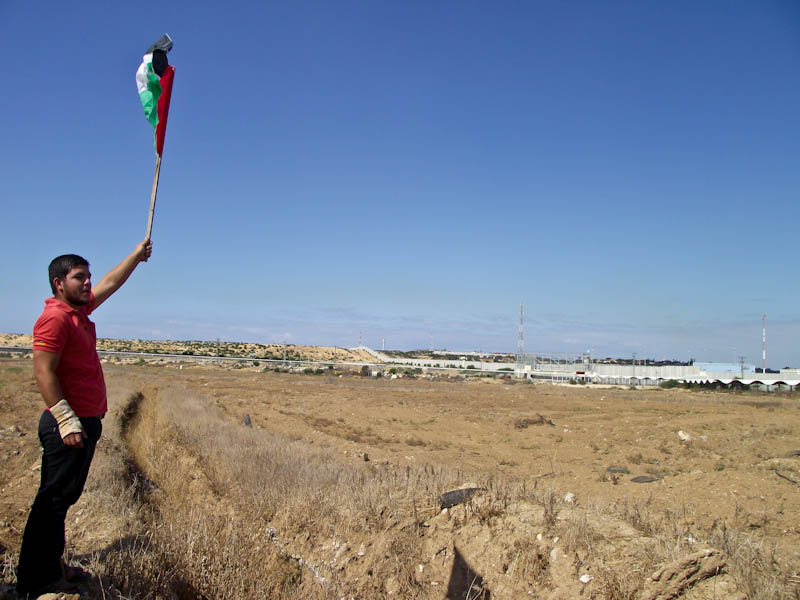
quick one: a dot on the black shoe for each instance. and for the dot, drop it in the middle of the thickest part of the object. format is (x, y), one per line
(75, 574)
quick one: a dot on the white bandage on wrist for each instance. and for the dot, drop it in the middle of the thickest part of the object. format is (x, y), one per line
(66, 418)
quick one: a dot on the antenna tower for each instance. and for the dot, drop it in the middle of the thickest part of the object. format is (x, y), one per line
(521, 338)
(763, 343)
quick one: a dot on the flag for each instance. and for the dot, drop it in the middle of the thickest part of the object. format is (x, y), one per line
(154, 82)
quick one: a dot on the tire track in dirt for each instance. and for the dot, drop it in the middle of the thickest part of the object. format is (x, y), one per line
(142, 488)
(128, 421)
(138, 424)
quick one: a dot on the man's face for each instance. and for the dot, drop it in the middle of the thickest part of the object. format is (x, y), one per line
(76, 288)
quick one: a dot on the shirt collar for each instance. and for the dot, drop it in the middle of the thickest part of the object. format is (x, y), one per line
(59, 304)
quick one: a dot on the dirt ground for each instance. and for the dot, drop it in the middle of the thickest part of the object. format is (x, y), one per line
(710, 456)
(725, 469)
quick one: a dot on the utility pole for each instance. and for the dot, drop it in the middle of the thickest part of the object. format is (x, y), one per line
(521, 337)
(763, 343)
(741, 367)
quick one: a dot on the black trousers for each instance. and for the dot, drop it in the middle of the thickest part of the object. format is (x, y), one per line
(64, 472)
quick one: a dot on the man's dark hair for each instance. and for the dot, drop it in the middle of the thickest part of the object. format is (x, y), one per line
(61, 265)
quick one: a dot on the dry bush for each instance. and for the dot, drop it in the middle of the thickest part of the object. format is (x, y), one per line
(549, 501)
(755, 567)
(487, 508)
(638, 513)
(8, 571)
(636, 459)
(525, 422)
(615, 584)
(530, 562)
(580, 534)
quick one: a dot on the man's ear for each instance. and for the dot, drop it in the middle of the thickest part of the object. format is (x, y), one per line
(58, 284)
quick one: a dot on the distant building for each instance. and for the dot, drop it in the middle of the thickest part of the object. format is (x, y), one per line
(714, 367)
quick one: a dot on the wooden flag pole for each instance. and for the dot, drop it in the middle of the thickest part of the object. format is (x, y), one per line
(153, 198)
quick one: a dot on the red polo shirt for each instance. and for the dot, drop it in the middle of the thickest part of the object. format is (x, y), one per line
(67, 330)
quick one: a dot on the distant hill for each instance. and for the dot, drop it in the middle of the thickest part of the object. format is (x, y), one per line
(204, 348)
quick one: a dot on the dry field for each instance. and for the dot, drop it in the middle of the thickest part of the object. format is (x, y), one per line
(332, 492)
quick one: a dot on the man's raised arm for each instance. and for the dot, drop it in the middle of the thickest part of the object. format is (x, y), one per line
(114, 279)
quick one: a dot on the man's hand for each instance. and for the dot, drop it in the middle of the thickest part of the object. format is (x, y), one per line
(75, 440)
(69, 425)
(145, 249)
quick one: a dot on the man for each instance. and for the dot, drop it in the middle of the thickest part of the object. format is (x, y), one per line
(71, 382)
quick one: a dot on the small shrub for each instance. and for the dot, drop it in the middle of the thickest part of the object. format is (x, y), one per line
(549, 502)
(636, 459)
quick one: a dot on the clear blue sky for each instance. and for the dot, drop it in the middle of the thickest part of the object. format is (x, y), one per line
(411, 171)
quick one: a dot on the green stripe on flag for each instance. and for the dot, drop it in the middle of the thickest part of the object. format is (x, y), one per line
(149, 96)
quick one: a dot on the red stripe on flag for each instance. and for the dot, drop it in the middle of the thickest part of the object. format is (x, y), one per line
(163, 107)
